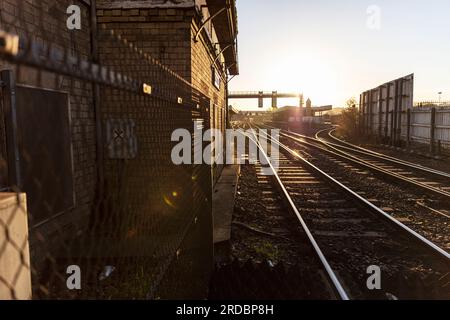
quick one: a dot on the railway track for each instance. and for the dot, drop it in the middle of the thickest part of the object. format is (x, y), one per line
(433, 182)
(349, 234)
(421, 180)
(417, 174)
(415, 195)
(426, 176)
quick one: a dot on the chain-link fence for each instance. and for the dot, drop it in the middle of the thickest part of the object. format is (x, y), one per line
(92, 205)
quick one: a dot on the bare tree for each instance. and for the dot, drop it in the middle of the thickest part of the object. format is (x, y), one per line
(349, 119)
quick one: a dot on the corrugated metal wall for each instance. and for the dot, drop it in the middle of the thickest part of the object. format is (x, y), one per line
(388, 112)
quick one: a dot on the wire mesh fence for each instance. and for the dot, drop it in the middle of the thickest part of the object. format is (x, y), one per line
(92, 206)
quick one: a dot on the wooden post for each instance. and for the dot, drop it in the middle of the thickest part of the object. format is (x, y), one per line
(432, 130)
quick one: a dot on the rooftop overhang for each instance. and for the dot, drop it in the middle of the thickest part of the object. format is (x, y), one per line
(226, 27)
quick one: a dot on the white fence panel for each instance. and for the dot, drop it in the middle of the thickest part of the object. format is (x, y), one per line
(387, 107)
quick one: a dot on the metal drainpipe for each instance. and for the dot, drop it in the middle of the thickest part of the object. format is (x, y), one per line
(8, 84)
(96, 98)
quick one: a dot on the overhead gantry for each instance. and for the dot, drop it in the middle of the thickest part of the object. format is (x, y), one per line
(261, 95)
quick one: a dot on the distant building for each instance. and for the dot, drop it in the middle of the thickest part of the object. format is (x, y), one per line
(308, 111)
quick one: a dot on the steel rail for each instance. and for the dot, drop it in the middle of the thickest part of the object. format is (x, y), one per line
(439, 252)
(363, 163)
(380, 156)
(332, 276)
(371, 153)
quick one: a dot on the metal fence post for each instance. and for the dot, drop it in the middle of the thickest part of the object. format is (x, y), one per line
(432, 130)
(10, 114)
(388, 103)
(361, 114)
(369, 114)
(97, 101)
(380, 112)
(391, 142)
(399, 113)
(408, 128)
(394, 115)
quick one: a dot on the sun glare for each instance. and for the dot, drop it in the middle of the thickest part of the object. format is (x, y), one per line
(307, 74)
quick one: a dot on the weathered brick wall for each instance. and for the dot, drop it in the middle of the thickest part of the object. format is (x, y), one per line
(46, 20)
(166, 204)
(167, 35)
(146, 198)
(202, 80)
(163, 33)
(166, 32)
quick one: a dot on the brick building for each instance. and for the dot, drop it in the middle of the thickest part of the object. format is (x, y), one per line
(82, 195)
(57, 139)
(170, 32)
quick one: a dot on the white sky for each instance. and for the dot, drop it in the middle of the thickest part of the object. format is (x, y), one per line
(325, 49)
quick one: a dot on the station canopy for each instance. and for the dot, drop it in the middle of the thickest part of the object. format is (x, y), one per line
(226, 29)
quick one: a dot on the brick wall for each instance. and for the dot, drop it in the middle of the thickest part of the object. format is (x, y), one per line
(23, 17)
(166, 204)
(202, 80)
(167, 208)
(163, 33)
